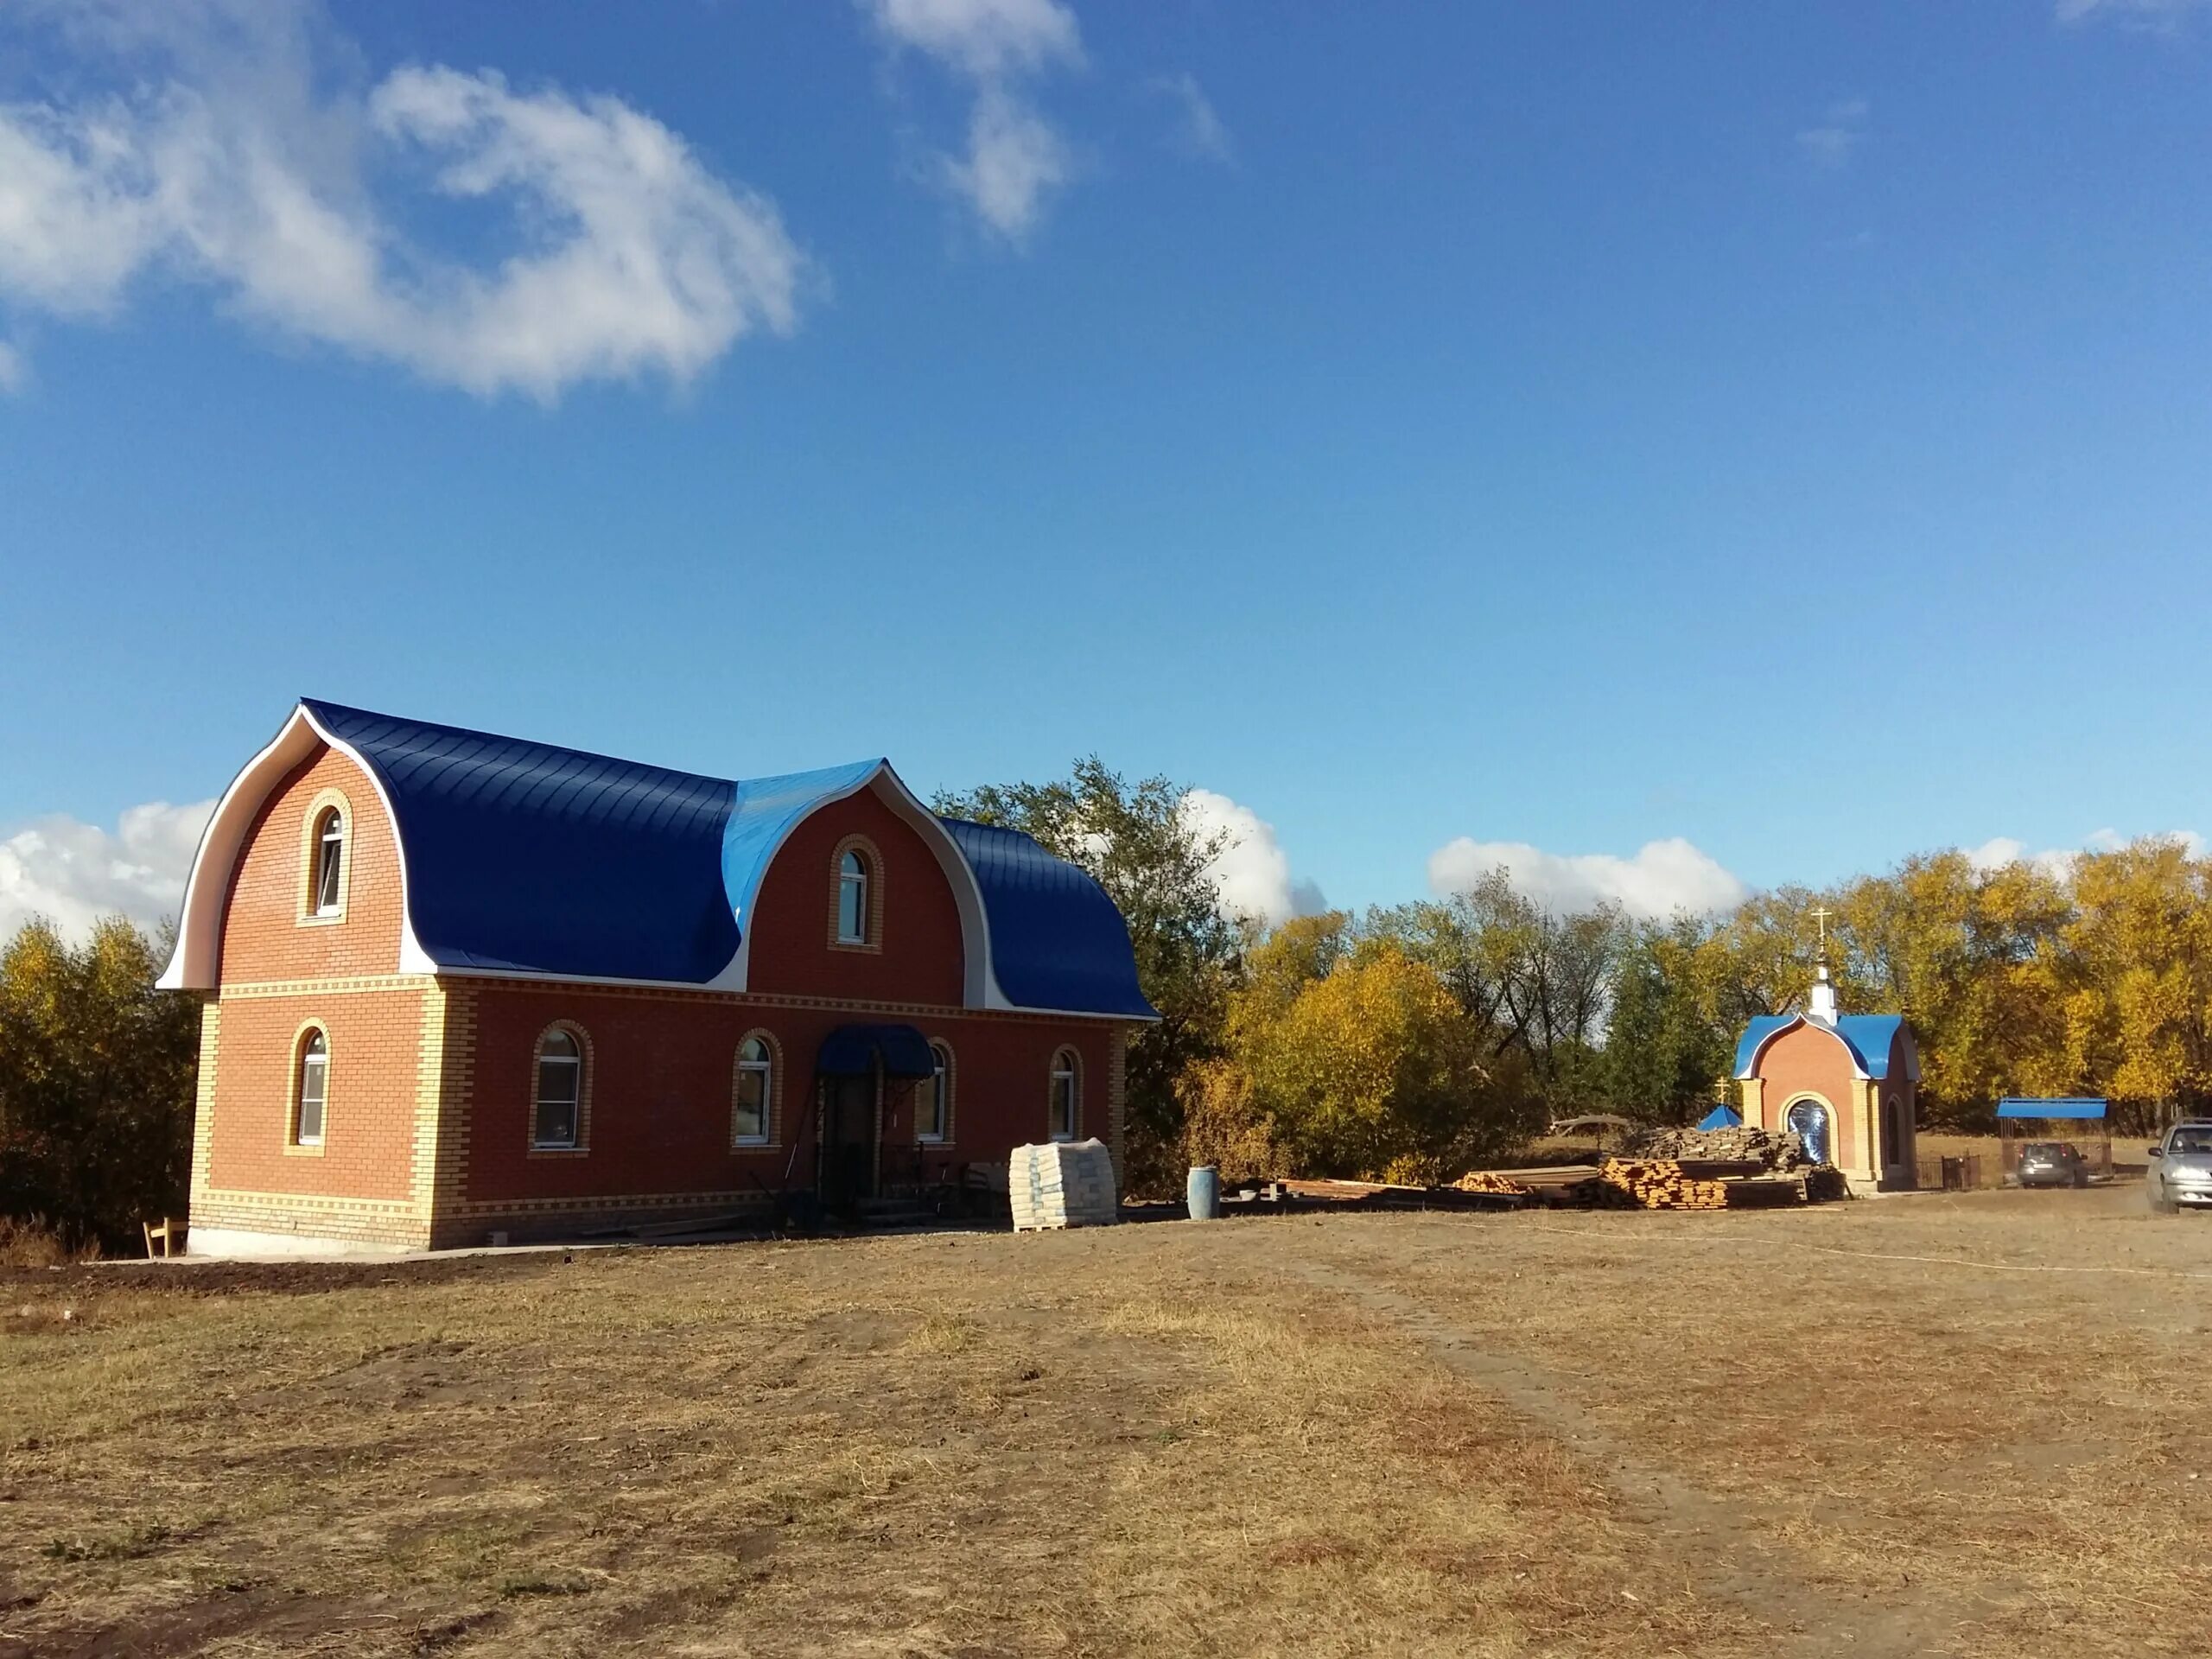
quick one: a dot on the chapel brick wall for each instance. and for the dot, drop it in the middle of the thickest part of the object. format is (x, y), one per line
(1808, 1060)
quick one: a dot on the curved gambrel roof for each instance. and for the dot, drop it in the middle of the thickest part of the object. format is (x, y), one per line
(1056, 940)
(524, 858)
(1868, 1038)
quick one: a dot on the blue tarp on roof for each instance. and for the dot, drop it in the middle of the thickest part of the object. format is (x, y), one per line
(2076, 1106)
(1868, 1036)
(524, 856)
(1721, 1117)
(766, 808)
(1056, 940)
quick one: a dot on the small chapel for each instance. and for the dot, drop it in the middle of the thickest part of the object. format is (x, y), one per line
(1847, 1083)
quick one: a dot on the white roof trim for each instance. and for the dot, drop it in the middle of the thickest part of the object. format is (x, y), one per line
(196, 964)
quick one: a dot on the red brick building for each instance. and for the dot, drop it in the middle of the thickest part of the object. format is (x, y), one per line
(458, 984)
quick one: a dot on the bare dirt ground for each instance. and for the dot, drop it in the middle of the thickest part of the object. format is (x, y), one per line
(1957, 1425)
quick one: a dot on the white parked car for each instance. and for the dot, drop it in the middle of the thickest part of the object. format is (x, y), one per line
(2181, 1167)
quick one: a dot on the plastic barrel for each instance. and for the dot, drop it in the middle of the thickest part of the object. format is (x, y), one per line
(1202, 1192)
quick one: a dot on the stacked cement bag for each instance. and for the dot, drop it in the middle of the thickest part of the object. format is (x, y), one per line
(1061, 1184)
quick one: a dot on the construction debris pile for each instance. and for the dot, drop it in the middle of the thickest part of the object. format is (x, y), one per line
(1061, 1184)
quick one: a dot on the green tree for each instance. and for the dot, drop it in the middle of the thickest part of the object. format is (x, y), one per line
(1664, 1055)
(96, 1081)
(1139, 843)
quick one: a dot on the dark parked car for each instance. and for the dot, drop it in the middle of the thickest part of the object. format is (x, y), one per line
(2181, 1168)
(2053, 1163)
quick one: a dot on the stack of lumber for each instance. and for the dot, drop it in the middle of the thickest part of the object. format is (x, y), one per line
(1061, 1184)
(1779, 1154)
(1489, 1180)
(1662, 1184)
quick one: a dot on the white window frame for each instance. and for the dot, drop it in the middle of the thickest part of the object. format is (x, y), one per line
(330, 862)
(764, 1069)
(315, 1062)
(941, 1086)
(576, 1063)
(1065, 1064)
(853, 878)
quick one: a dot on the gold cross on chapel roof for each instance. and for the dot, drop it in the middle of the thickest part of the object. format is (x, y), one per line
(1820, 914)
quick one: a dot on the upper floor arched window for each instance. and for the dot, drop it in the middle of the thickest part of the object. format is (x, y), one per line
(1066, 1113)
(328, 861)
(853, 879)
(313, 1102)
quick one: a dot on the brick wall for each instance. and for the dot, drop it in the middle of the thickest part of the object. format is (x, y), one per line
(917, 957)
(662, 1072)
(1811, 1061)
(267, 934)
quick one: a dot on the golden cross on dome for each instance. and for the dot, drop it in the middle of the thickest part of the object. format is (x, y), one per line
(1820, 914)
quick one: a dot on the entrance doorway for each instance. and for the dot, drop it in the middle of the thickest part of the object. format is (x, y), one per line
(1809, 1122)
(848, 1127)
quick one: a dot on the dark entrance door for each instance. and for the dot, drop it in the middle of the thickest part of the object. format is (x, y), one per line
(848, 1140)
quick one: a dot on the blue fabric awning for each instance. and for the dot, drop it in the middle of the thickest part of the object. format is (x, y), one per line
(1721, 1117)
(2072, 1106)
(852, 1050)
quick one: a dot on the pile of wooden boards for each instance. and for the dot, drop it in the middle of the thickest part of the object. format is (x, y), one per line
(1780, 1154)
(1061, 1184)
(1489, 1180)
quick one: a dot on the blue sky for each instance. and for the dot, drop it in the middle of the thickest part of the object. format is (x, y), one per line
(1560, 428)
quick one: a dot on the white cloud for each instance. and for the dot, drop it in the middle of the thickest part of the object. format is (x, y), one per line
(1253, 872)
(1198, 125)
(2142, 14)
(2058, 861)
(74, 873)
(230, 153)
(1840, 131)
(985, 39)
(1014, 157)
(1662, 879)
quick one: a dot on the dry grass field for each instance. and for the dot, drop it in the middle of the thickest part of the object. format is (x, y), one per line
(1935, 1425)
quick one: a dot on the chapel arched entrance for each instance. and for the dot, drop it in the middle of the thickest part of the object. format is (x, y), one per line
(1811, 1122)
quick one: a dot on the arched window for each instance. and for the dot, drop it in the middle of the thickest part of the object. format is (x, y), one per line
(314, 1100)
(755, 1093)
(1067, 1095)
(556, 1112)
(329, 862)
(933, 1098)
(852, 898)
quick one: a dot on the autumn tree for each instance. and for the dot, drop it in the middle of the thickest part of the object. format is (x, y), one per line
(1139, 843)
(96, 1082)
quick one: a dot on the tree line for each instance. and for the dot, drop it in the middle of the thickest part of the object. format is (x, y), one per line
(1409, 1043)
(1420, 1040)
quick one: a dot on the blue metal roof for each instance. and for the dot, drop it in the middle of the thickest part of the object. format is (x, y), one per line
(1868, 1036)
(2072, 1106)
(526, 857)
(1721, 1117)
(1056, 940)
